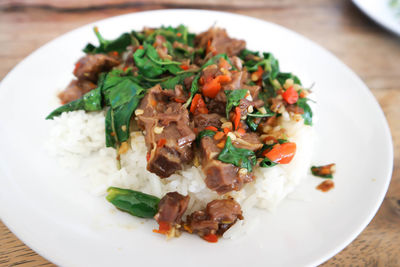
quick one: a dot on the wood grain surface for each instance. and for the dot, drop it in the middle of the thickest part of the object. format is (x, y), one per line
(373, 53)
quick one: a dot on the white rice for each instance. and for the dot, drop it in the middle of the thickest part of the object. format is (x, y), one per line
(78, 139)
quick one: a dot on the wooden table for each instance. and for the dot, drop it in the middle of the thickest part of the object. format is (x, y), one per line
(373, 53)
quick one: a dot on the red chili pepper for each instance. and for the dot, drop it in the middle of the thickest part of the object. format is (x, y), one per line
(161, 142)
(198, 105)
(270, 138)
(201, 80)
(77, 66)
(241, 131)
(282, 153)
(184, 67)
(179, 100)
(212, 238)
(290, 95)
(226, 130)
(236, 119)
(212, 87)
(163, 228)
(219, 136)
(208, 46)
(211, 128)
(257, 74)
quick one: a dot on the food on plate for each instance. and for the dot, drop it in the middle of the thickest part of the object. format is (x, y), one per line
(325, 186)
(196, 128)
(325, 171)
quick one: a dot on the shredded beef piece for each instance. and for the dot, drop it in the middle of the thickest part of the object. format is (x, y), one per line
(216, 106)
(250, 141)
(220, 177)
(168, 134)
(237, 62)
(219, 216)
(220, 42)
(201, 121)
(90, 66)
(171, 208)
(75, 90)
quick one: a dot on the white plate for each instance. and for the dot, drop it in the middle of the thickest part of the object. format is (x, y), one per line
(50, 210)
(381, 12)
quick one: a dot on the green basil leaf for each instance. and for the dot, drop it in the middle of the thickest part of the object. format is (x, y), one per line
(172, 82)
(135, 203)
(308, 114)
(250, 121)
(145, 65)
(122, 117)
(242, 158)
(123, 91)
(202, 134)
(267, 163)
(272, 65)
(258, 114)
(315, 172)
(111, 137)
(152, 53)
(193, 90)
(107, 46)
(215, 60)
(245, 52)
(91, 101)
(283, 76)
(233, 98)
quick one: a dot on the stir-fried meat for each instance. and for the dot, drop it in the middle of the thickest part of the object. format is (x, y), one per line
(127, 57)
(237, 62)
(171, 208)
(224, 210)
(254, 91)
(161, 49)
(75, 90)
(168, 134)
(201, 121)
(218, 217)
(238, 81)
(295, 109)
(183, 46)
(220, 42)
(220, 177)
(217, 104)
(250, 141)
(199, 223)
(90, 66)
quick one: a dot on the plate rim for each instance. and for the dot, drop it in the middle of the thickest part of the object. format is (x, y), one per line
(318, 260)
(376, 19)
